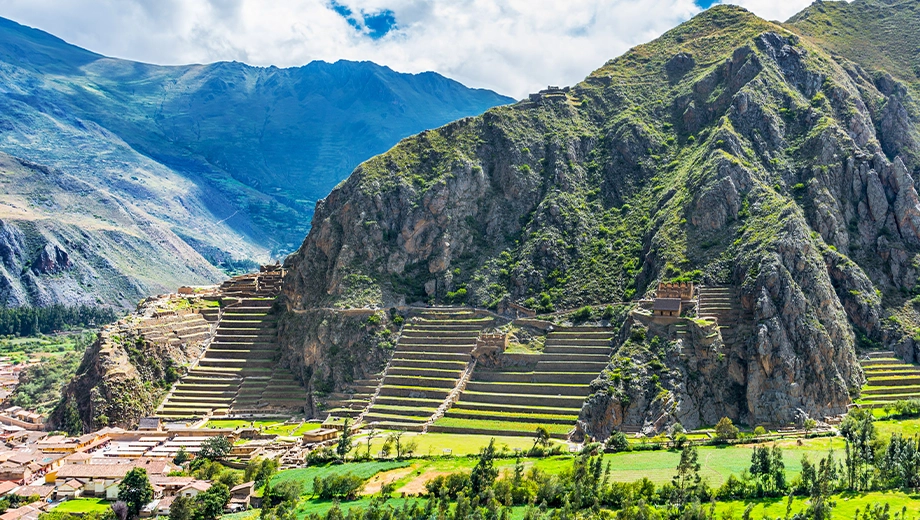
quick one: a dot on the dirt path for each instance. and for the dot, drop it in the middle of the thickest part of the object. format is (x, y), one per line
(377, 481)
(416, 486)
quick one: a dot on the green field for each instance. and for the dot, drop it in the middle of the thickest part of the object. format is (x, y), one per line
(360, 469)
(498, 426)
(846, 505)
(83, 505)
(718, 462)
(458, 444)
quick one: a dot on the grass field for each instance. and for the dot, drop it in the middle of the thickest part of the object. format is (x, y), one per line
(84, 505)
(498, 426)
(907, 427)
(846, 505)
(361, 469)
(717, 462)
(458, 444)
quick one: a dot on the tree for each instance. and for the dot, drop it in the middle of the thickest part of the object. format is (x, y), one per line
(345, 445)
(135, 491)
(484, 473)
(215, 448)
(210, 504)
(541, 438)
(725, 430)
(687, 479)
(181, 457)
(394, 439)
(858, 430)
(260, 470)
(182, 508)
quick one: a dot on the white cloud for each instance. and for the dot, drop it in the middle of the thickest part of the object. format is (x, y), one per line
(512, 46)
(780, 10)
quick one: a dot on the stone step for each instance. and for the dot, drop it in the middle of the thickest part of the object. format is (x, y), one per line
(575, 358)
(516, 409)
(425, 382)
(431, 356)
(422, 402)
(541, 389)
(439, 348)
(566, 342)
(424, 363)
(427, 333)
(425, 372)
(535, 377)
(414, 392)
(571, 366)
(551, 401)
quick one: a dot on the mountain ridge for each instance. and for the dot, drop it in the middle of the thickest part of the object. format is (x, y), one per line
(730, 151)
(225, 157)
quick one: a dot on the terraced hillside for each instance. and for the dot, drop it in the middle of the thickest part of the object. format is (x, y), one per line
(723, 305)
(889, 379)
(238, 372)
(431, 358)
(549, 392)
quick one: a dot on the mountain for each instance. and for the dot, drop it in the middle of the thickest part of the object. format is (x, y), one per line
(209, 165)
(776, 162)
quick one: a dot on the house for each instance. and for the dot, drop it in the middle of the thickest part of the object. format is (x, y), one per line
(171, 485)
(72, 488)
(26, 512)
(99, 478)
(79, 457)
(667, 307)
(240, 497)
(42, 492)
(164, 504)
(320, 435)
(150, 424)
(7, 486)
(15, 472)
(193, 489)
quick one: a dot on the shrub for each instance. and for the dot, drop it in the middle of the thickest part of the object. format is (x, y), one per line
(725, 430)
(617, 442)
(583, 314)
(338, 486)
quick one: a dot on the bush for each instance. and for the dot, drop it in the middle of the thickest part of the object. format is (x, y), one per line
(338, 486)
(583, 314)
(725, 430)
(617, 442)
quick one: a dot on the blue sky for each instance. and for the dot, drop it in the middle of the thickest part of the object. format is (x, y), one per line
(511, 46)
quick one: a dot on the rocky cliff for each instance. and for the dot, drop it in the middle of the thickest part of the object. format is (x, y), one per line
(730, 151)
(132, 364)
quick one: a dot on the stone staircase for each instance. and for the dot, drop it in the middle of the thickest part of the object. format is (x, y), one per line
(889, 380)
(722, 304)
(432, 353)
(550, 394)
(238, 373)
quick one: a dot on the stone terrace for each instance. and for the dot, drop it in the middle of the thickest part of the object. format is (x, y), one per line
(550, 394)
(889, 379)
(433, 353)
(238, 372)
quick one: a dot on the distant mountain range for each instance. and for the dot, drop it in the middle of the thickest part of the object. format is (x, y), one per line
(138, 177)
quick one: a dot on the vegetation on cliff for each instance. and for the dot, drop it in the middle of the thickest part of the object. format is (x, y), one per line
(731, 151)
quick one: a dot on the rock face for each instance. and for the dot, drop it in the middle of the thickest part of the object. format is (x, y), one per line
(130, 367)
(730, 151)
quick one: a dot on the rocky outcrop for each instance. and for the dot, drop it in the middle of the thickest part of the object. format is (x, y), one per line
(753, 160)
(328, 350)
(130, 367)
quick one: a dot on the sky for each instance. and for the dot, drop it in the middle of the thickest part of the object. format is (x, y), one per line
(510, 46)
